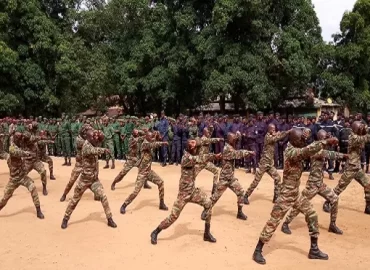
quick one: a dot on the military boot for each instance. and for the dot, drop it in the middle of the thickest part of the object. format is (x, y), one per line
(64, 222)
(146, 185)
(65, 162)
(240, 214)
(106, 165)
(63, 198)
(123, 209)
(207, 234)
(367, 208)
(52, 177)
(162, 205)
(39, 214)
(333, 228)
(44, 190)
(69, 162)
(246, 200)
(113, 165)
(326, 207)
(285, 228)
(111, 223)
(257, 255)
(154, 235)
(315, 253)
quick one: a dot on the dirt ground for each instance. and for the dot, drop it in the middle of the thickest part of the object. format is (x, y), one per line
(30, 243)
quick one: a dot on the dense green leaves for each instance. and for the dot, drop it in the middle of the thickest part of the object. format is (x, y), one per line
(70, 55)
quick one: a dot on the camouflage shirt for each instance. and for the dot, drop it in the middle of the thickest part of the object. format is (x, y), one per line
(108, 132)
(229, 155)
(79, 144)
(293, 166)
(205, 144)
(90, 160)
(133, 146)
(16, 162)
(31, 146)
(355, 146)
(188, 163)
(41, 144)
(267, 156)
(317, 163)
(145, 165)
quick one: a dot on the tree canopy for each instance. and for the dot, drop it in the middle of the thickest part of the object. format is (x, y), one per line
(69, 55)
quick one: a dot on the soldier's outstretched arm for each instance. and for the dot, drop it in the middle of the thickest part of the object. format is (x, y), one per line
(306, 152)
(331, 155)
(91, 150)
(189, 160)
(17, 152)
(359, 139)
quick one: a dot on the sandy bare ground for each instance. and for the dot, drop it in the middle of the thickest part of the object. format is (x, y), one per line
(30, 243)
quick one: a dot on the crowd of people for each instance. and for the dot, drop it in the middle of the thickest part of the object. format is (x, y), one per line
(260, 144)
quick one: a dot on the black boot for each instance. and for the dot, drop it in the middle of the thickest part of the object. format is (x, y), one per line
(246, 201)
(154, 235)
(331, 177)
(65, 162)
(64, 223)
(146, 185)
(44, 190)
(52, 177)
(69, 161)
(63, 198)
(257, 255)
(367, 208)
(240, 214)
(123, 209)
(204, 214)
(367, 168)
(106, 165)
(207, 234)
(334, 229)
(113, 186)
(39, 214)
(254, 171)
(162, 205)
(326, 207)
(96, 197)
(285, 228)
(315, 253)
(111, 223)
(113, 165)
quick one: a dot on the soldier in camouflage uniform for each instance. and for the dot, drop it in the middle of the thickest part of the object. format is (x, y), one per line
(117, 139)
(33, 162)
(353, 170)
(289, 196)
(75, 127)
(145, 171)
(266, 163)
(44, 157)
(18, 175)
(66, 140)
(315, 185)
(59, 139)
(227, 178)
(136, 139)
(188, 192)
(89, 179)
(127, 131)
(77, 170)
(193, 129)
(108, 143)
(204, 148)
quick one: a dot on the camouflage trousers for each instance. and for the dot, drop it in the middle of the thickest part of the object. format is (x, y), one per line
(140, 180)
(270, 170)
(38, 166)
(76, 172)
(310, 191)
(197, 196)
(49, 161)
(13, 184)
(109, 145)
(96, 187)
(129, 164)
(290, 198)
(234, 185)
(66, 146)
(359, 176)
(209, 167)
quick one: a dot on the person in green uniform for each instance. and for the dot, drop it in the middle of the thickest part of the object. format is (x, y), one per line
(129, 127)
(75, 127)
(66, 140)
(116, 138)
(52, 135)
(20, 126)
(108, 142)
(122, 128)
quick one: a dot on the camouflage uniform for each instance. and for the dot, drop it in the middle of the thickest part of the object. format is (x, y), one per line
(187, 190)
(315, 184)
(44, 157)
(132, 157)
(108, 142)
(77, 170)
(193, 132)
(227, 178)
(266, 164)
(209, 166)
(18, 176)
(289, 194)
(353, 168)
(145, 171)
(89, 180)
(33, 161)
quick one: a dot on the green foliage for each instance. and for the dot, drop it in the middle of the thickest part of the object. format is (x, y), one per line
(70, 55)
